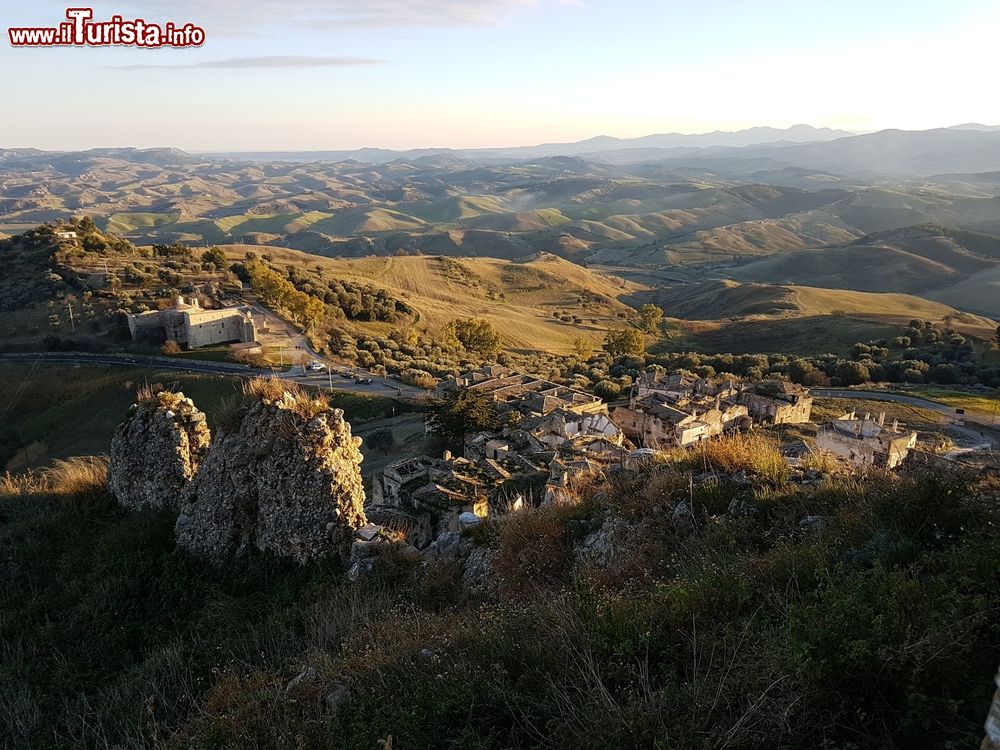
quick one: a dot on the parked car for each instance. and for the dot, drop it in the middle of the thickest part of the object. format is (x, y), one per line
(346, 374)
(316, 366)
(363, 381)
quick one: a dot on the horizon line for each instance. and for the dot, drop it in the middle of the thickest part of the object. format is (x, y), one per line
(190, 150)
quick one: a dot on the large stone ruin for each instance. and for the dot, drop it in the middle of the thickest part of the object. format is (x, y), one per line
(156, 451)
(286, 480)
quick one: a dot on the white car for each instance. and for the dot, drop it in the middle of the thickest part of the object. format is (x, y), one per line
(315, 366)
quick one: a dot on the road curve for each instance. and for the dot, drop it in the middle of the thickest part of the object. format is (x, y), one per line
(378, 387)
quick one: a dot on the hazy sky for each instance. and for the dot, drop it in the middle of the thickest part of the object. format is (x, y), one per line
(330, 74)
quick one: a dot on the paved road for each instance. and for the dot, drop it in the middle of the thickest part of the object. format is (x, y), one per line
(297, 343)
(980, 418)
(378, 387)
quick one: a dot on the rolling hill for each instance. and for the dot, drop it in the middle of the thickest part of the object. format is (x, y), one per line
(524, 299)
(714, 300)
(956, 267)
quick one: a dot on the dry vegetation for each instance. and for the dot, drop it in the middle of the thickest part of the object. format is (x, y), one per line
(74, 477)
(740, 627)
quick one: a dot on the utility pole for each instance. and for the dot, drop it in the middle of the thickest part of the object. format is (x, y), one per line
(329, 374)
(72, 323)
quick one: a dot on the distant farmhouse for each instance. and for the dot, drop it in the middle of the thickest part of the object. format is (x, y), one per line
(193, 326)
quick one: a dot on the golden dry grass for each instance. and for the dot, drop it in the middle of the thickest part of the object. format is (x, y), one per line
(755, 454)
(78, 476)
(442, 290)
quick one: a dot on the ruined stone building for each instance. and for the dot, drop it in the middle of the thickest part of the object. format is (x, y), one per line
(193, 326)
(524, 393)
(656, 423)
(425, 497)
(866, 441)
(679, 409)
(683, 386)
(562, 433)
(777, 402)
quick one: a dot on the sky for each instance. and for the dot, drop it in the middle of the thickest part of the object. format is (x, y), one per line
(341, 74)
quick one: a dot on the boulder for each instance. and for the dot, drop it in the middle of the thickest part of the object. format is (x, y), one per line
(683, 517)
(285, 479)
(813, 523)
(479, 575)
(992, 739)
(467, 520)
(156, 452)
(338, 695)
(449, 546)
(599, 548)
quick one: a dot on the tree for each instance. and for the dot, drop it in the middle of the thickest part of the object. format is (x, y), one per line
(583, 347)
(650, 317)
(171, 347)
(852, 373)
(460, 413)
(214, 255)
(381, 440)
(997, 336)
(624, 341)
(476, 335)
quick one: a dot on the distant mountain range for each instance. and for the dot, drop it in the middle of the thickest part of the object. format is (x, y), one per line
(597, 145)
(966, 148)
(970, 148)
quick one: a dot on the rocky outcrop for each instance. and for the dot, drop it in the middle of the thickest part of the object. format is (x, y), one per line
(992, 739)
(284, 479)
(156, 451)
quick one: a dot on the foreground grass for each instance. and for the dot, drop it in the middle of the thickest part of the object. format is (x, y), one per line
(878, 630)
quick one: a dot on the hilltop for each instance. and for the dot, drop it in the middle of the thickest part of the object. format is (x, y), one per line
(713, 300)
(539, 303)
(945, 264)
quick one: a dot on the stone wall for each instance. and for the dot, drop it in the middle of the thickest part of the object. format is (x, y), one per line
(286, 480)
(156, 451)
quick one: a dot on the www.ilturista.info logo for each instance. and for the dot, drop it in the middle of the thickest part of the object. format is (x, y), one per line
(80, 30)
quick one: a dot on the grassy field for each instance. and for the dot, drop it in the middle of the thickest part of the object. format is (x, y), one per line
(804, 336)
(970, 401)
(57, 412)
(124, 223)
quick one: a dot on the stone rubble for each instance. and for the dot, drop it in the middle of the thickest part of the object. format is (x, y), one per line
(156, 452)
